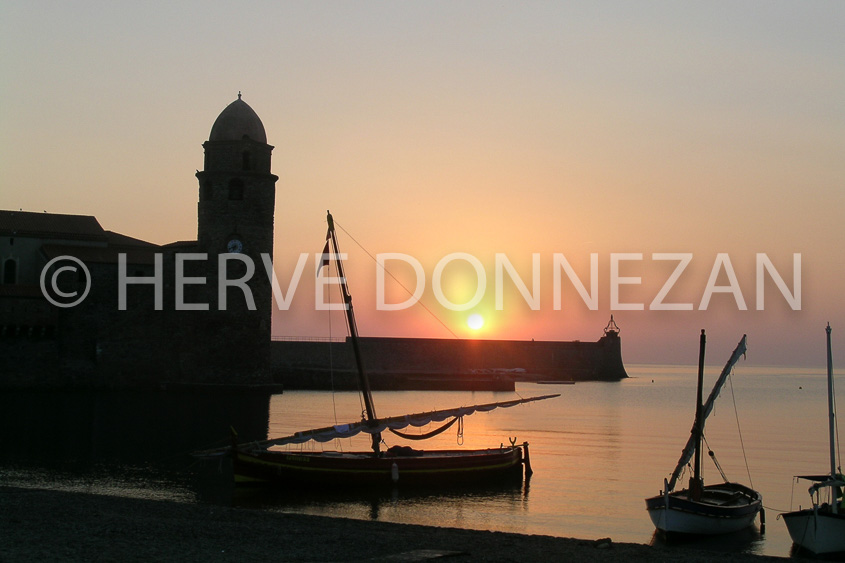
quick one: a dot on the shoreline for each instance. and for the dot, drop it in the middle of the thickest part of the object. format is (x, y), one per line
(41, 524)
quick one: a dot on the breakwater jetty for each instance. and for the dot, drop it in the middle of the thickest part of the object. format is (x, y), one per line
(431, 363)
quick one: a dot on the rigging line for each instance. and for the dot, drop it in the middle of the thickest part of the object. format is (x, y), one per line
(792, 493)
(331, 359)
(712, 455)
(421, 304)
(346, 317)
(836, 421)
(338, 442)
(426, 435)
(739, 429)
(774, 509)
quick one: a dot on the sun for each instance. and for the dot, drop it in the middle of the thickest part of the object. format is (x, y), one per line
(475, 321)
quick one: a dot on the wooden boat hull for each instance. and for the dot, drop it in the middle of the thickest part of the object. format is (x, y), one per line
(819, 531)
(414, 468)
(723, 508)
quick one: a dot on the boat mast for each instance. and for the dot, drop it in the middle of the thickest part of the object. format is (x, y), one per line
(832, 420)
(363, 381)
(706, 408)
(696, 481)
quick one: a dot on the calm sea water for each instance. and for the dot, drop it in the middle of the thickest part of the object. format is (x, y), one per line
(597, 452)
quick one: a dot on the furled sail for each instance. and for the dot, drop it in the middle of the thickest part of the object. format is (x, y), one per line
(706, 409)
(382, 424)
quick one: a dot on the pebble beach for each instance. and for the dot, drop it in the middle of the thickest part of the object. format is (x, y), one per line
(48, 525)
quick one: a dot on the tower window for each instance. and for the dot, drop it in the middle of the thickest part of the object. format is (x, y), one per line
(246, 158)
(10, 271)
(236, 189)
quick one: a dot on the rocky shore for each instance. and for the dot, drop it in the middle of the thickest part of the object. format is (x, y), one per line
(46, 525)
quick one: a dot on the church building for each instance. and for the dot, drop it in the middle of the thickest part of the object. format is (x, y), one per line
(137, 326)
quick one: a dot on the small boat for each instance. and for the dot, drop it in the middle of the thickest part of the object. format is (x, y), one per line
(821, 529)
(256, 462)
(704, 509)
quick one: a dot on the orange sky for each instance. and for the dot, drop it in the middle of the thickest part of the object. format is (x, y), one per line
(432, 128)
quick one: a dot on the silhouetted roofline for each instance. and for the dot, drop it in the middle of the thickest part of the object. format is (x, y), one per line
(51, 225)
(118, 239)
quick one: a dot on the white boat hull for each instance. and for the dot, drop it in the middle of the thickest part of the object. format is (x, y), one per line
(723, 509)
(677, 522)
(819, 529)
(820, 532)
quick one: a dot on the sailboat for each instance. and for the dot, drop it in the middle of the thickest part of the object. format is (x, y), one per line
(256, 462)
(821, 529)
(704, 509)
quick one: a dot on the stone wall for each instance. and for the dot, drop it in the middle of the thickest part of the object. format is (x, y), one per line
(97, 345)
(296, 361)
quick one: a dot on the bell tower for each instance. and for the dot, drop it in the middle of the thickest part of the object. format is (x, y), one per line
(237, 196)
(237, 191)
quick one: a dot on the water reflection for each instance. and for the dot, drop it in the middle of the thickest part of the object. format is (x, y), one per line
(453, 506)
(615, 442)
(86, 433)
(749, 540)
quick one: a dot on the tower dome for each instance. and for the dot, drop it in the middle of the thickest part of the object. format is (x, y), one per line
(237, 121)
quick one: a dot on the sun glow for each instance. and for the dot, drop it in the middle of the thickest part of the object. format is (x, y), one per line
(475, 321)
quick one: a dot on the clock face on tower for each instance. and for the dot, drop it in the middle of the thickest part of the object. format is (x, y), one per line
(235, 246)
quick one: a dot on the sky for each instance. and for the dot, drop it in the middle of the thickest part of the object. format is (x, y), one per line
(641, 135)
